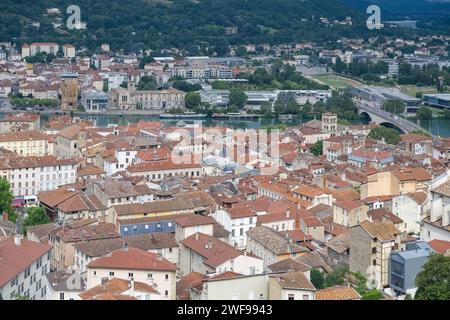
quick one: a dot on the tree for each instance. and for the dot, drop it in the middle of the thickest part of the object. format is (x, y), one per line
(317, 279)
(394, 106)
(337, 277)
(238, 98)
(317, 148)
(35, 216)
(390, 136)
(192, 100)
(433, 282)
(146, 83)
(424, 113)
(6, 198)
(373, 294)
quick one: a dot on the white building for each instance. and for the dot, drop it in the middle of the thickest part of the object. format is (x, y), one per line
(29, 175)
(23, 266)
(411, 208)
(237, 221)
(135, 264)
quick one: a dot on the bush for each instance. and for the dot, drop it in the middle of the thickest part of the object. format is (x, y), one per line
(317, 279)
(425, 113)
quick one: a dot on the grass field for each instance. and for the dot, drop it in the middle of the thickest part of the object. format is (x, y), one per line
(334, 81)
(412, 90)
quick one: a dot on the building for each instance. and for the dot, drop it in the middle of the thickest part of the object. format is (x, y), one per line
(272, 246)
(208, 255)
(63, 239)
(25, 143)
(69, 92)
(157, 100)
(349, 213)
(238, 221)
(216, 98)
(23, 266)
(379, 159)
(20, 122)
(161, 170)
(163, 244)
(291, 286)
(69, 141)
(329, 123)
(417, 144)
(396, 182)
(121, 289)
(64, 286)
(411, 208)
(437, 224)
(68, 51)
(30, 175)
(376, 97)
(437, 100)
(371, 244)
(94, 101)
(134, 264)
(405, 265)
(38, 47)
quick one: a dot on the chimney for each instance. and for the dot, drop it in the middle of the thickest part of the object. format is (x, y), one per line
(196, 236)
(5, 216)
(209, 245)
(132, 287)
(18, 239)
(125, 247)
(104, 280)
(288, 213)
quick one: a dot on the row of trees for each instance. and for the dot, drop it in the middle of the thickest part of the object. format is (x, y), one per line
(364, 69)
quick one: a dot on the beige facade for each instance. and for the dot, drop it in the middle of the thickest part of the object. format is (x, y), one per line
(349, 218)
(158, 100)
(25, 143)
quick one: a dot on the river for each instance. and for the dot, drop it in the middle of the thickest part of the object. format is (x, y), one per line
(438, 127)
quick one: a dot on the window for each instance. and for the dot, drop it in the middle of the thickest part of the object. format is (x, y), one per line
(61, 296)
(150, 276)
(241, 231)
(111, 273)
(305, 297)
(374, 250)
(27, 272)
(290, 296)
(397, 268)
(166, 293)
(130, 274)
(374, 262)
(169, 224)
(166, 276)
(146, 227)
(95, 273)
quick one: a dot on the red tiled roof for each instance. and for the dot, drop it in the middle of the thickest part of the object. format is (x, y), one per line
(212, 249)
(440, 246)
(132, 259)
(14, 259)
